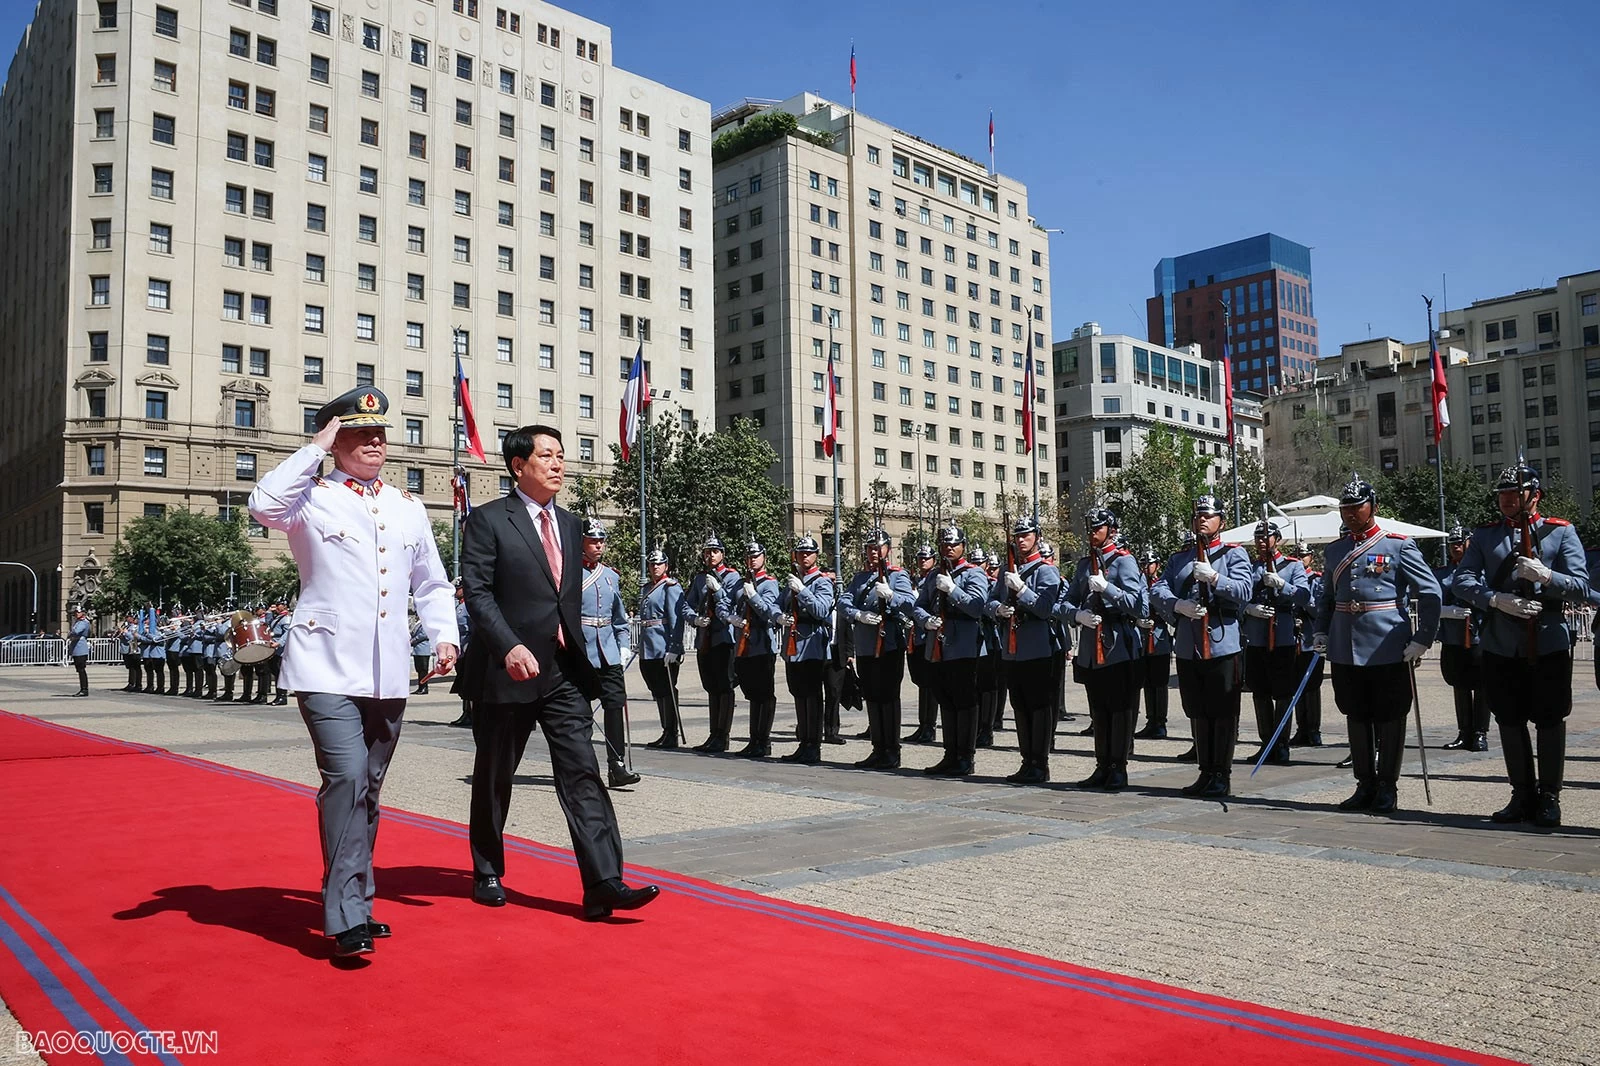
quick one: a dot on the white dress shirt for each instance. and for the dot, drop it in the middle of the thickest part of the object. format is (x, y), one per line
(535, 511)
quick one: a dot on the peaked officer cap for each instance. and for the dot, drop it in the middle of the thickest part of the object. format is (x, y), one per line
(365, 406)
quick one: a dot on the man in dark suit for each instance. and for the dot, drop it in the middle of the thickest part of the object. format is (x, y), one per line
(522, 571)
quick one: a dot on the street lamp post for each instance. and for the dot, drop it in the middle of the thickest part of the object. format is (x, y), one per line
(921, 498)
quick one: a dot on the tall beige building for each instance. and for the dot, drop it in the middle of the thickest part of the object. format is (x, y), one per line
(220, 214)
(928, 269)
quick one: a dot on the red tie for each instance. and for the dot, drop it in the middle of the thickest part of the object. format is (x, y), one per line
(552, 553)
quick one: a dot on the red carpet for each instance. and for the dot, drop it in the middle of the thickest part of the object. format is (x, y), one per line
(141, 890)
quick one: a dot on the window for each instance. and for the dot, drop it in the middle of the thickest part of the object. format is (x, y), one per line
(156, 349)
(100, 233)
(155, 462)
(158, 294)
(103, 181)
(105, 70)
(166, 22)
(99, 347)
(155, 405)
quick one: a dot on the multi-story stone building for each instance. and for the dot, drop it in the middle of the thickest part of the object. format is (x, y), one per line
(1112, 389)
(218, 215)
(927, 274)
(1524, 377)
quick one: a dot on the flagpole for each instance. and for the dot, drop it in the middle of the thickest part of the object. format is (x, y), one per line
(1233, 438)
(1033, 434)
(1438, 431)
(644, 506)
(455, 461)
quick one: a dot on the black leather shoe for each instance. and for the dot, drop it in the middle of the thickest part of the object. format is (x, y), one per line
(889, 760)
(871, 762)
(1116, 780)
(1345, 763)
(83, 693)
(1479, 742)
(665, 741)
(943, 768)
(753, 750)
(608, 896)
(280, 701)
(920, 736)
(1151, 731)
(985, 740)
(1385, 800)
(1197, 786)
(805, 754)
(1547, 811)
(464, 722)
(619, 777)
(713, 745)
(833, 738)
(1279, 756)
(1457, 744)
(487, 891)
(1216, 788)
(1030, 775)
(1096, 779)
(1520, 809)
(353, 941)
(1086, 731)
(378, 930)
(1189, 756)
(1361, 798)
(1306, 740)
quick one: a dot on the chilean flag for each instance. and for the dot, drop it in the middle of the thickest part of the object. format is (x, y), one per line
(991, 133)
(1441, 392)
(635, 398)
(1027, 395)
(852, 68)
(830, 412)
(468, 422)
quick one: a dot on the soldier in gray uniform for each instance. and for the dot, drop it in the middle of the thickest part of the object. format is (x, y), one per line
(754, 614)
(875, 602)
(1281, 588)
(990, 675)
(78, 648)
(949, 609)
(209, 636)
(1201, 594)
(1460, 629)
(192, 647)
(713, 587)
(1153, 668)
(1061, 638)
(807, 605)
(421, 654)
(128, 645)
(174, 649)
(607, 643)
(1521, 572)
(1107, 598)
(661, 645)
(1020, 606)
(1365, 629)
(1308, 712)
(917, 658)
(278, 629)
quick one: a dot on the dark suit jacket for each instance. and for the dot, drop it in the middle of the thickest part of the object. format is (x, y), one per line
(512, 598)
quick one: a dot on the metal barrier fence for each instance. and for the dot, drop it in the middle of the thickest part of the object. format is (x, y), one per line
(103, 651)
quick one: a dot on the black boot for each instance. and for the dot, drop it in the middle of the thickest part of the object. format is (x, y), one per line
(892, 724)
(1198, 786)
(619, 776)
(464, 721)
(762, 712)
(1203, 755)
(1364, 759)
(1391, 739)
(1191, 755)
(808, 714)
(1224, 731)
(1518, 748)
(874, 734)
(717, 739)
(1551, 741)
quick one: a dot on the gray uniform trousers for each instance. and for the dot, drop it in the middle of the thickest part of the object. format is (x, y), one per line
(354, 737)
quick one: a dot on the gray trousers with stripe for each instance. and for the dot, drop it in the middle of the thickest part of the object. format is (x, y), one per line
(354, 738)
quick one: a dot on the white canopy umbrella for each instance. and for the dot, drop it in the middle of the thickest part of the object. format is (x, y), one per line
(1319, 526)
(1310, 504)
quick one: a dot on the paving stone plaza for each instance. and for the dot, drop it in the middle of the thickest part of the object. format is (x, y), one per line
(1429, 923)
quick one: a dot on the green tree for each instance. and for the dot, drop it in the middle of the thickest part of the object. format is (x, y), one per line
(1558, 501)
(1153, 493)
(1411, 494)
(280, 582)
(761, 129)
(1589, 527)
(1252, 487)
(180, 557)
(854, 524)
(1315, 462)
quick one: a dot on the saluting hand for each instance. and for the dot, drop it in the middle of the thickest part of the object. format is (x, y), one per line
(325, 435)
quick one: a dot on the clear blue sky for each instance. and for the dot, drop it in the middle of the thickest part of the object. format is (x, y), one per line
(1401, 140)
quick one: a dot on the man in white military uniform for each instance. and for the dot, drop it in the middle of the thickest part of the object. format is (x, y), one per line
(362, 547)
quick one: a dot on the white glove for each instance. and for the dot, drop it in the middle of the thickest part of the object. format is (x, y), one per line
(1004, 610)
(749, 590)
(700, 621)
(868, 618)
(1146, 623)
(1319, 643)
(1204, 571)
(943, 583)
(673, 658)
(934, 624)
(1515, 606)
(1273, 580)
(786, 620)
(1190, 609)
(1087, 618)
(1532, 570)
(627, 657)
(1098, 583)
(1414, 651)
(1259, 610)
(1455, 613)
(885, 593)
(795, 584)
(1014, 581)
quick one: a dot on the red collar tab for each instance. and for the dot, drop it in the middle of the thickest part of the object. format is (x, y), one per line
(813, 570)
(1029, 559)
(1214, 541)
(1370, 532)
(361, 490)
(758, 575)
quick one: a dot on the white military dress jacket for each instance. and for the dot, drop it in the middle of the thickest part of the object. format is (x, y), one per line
(361, 551)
